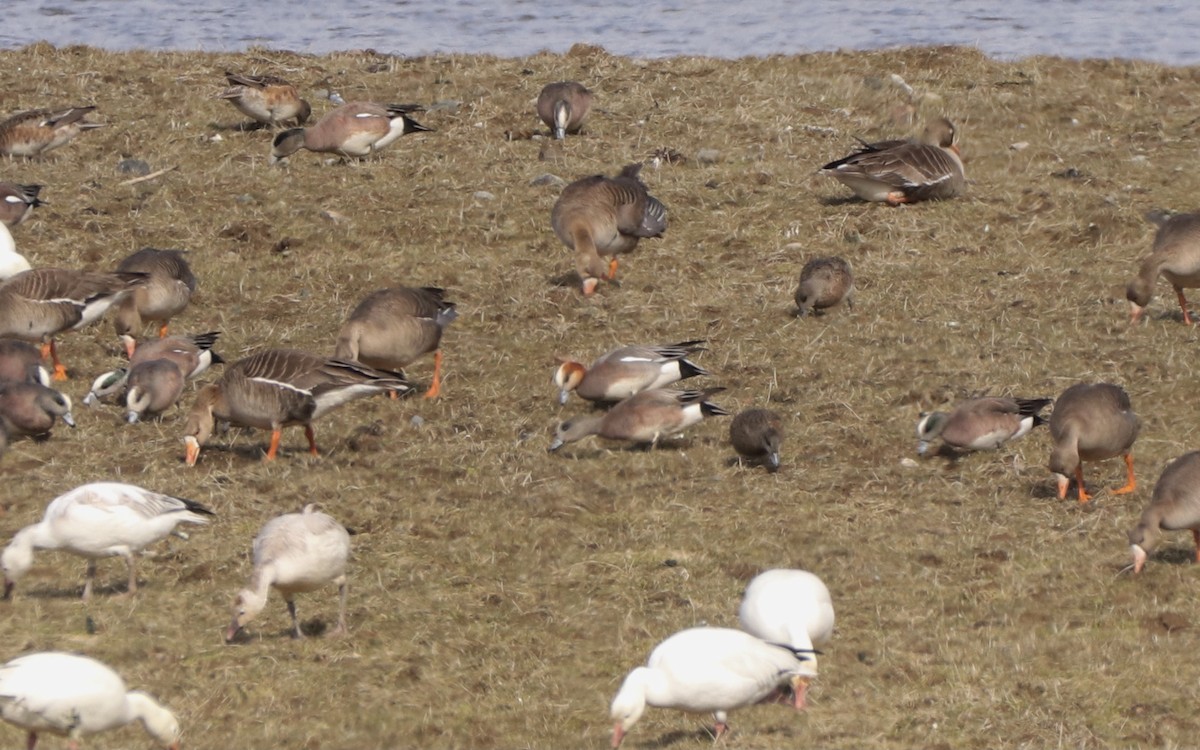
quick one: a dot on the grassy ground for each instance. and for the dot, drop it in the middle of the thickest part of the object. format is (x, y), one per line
(500, 593)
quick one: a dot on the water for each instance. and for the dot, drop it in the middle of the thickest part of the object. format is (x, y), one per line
(1165, 32)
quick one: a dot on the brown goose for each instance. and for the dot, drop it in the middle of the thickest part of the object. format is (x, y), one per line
(824, 283)
(191, 354)
(168, 289)
(266, 99)
(21, 362)
(1091, 422)
(756, 435)
(276, 388)
(643, 418)
(38, 304)
(1176, 257)
(606, 216)
(40, 131)
(981, 424)
(896, 172)
(355, 129)
(31, 408)
(1174, 505)
(563, 106)
(151, 388)
(628, 370)
(393, 327)
(17, 202)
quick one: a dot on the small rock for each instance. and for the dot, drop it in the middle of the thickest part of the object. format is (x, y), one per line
(1018, 146)
(244, 199)
(552, 180)
(417, 421)
(708, 156)
(908, 463)
(331, 215)
(134, 167)
(449, 105)
(483, 195)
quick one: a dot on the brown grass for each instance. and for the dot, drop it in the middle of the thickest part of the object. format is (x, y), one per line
(500, 594)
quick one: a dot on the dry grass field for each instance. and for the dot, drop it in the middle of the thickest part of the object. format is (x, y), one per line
(499, 594)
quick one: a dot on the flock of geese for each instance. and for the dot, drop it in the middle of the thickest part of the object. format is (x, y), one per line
(786, 615)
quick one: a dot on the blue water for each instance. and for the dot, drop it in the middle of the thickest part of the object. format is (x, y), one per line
(1164, 32)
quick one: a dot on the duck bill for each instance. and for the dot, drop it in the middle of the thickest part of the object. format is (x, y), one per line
(1139, 558)
(69, 420)
(922, 447)
(800, 688)
(618, 735)
(555, 445)
(563, 395)
(1064, 484)
(191, 450)
(232, 631)
(1135, 312)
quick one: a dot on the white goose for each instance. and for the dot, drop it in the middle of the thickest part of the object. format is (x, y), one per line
(791, 607)
(294, 552)
(707, 669)
(99, 520)
(11, 262)
(71, 695)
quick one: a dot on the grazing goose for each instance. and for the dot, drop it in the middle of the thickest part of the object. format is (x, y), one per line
(392, 327)
(1091, 422)
(40, 131)
(606, 216)
(73, 696)
(896, 172)
(628, 370)
(168, 289)
(981, 424)
(21, 362)
(643, 418)
(191, 354)
(1176, 257)
(17, 202)
(792, 607)
(103, 519)
(704, 670)
(151, 388)
(31, 408)
(266, 99)
(1174, 505)
(756, 434)
(824, 283)
(276, 388)
(11, 262)
(295, 552)
(38, 304)
(355, 129)
(563, 106)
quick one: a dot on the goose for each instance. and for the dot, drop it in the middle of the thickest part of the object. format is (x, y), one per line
(193, 355)
(40, 131)
(102, 519)
(643, 418)
(152, 387)
(756, 434)
(17, 202)
(355, 129)
(628, 370)
(392, 327)
(21, 362)
(980, 424)
(266, 99)
(563, 106)
(73, 696)
(1176, 257)
(704, 670)
(792, 607)
(11, 262)
(1091, 422)
(896, 172)
(31, 408)
(295, 552)
(168, 289)
(276, 388)
(824, 283)
(1174, 505)
(606, 216)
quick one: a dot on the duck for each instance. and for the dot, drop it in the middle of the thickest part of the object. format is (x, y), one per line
(169, 287)
(355, 129)
(896, 172)
(563, 106)
(393, 327)
(792, 607)
(31, 409)
(1174, 505)
(275, 388)
(601, 217)
(97, 520)
(628, 370)
(17, 202)
(1175, 256)
(1091, 422)
(756, 435)
(981, 424)
(266, 99)
(824, 283)
(192, 354)
(21, 362)
(294, 553)
(643, 418)
(11, 262)
(73, 696)
(151, 388)
(40, 131)
(706, 669)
